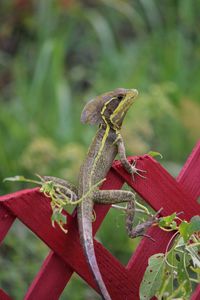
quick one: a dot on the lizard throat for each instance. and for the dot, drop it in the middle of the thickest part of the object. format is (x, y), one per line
(105, 136)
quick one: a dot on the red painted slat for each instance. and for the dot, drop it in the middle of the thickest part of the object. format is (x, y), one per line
(51, 279)
(37, 287)
(196, 294)
(4, 295)
(159, 189)
(190, 173)
(6, 221)
(157, 195)
(164, 192)
(32, 208)
(189, 180)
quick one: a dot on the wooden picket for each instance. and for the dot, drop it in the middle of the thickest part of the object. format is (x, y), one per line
(159, 189)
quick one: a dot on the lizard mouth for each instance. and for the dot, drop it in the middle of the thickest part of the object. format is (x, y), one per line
(118, 115)
(134, 92)
(130, 97)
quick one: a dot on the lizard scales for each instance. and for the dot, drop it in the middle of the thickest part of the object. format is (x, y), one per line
(108, 111)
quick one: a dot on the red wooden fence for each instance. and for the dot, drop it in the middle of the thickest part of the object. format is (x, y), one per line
(159, 189)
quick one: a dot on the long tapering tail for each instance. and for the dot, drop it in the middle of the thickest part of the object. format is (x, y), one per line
(85, 229)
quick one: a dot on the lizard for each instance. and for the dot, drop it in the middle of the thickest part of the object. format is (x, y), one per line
(107, 111)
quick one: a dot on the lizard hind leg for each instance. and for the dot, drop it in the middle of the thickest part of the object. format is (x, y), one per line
(130, 214)
(140, 229)
(119, 196)
(113, 196)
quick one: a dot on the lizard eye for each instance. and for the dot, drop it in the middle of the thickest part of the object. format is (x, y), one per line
(120, 97)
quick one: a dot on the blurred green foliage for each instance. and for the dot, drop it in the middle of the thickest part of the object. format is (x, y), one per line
(55, 56)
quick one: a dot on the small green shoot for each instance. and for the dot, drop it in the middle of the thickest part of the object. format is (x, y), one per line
(155, 154)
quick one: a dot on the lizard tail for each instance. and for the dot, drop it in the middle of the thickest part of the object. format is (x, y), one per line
(85, 227)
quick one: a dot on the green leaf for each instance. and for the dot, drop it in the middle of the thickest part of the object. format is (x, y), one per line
(15, 178)
(194, 253)
(168, 221)
(182, 274)
(196, 270)
(173, 225)
(59, 217)
(48, 187)
(167, 283)
(22, 179)
(153, 276)
(171, 258)
(154, 154)
(187, 229)
(195, 224)
(168, 277)
(180, 243)
(184, 230)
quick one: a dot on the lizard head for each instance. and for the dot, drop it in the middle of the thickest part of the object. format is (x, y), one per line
(109, 108)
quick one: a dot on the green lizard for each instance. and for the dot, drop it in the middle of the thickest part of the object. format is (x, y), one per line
(107, 111)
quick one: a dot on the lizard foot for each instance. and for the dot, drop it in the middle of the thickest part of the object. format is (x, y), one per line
(137, 171)
(140, 229)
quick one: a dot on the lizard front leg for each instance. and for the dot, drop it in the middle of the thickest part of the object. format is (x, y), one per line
(130, 168)
(65, 187)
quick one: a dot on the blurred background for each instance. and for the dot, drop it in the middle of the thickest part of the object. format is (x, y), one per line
(57, 55)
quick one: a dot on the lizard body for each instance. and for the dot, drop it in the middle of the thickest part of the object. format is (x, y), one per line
(107, 111)
(97, 170)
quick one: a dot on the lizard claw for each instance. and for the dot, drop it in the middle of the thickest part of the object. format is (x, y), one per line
(137, 171)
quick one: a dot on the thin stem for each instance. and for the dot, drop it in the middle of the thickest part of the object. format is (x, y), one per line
(167, 248)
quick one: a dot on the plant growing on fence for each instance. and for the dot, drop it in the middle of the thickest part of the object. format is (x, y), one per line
(170, 275)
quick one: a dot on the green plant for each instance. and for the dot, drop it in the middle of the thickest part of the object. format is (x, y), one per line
(173, 274)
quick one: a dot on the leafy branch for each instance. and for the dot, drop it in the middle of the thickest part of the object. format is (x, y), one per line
(173, 274)
(60, 197)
